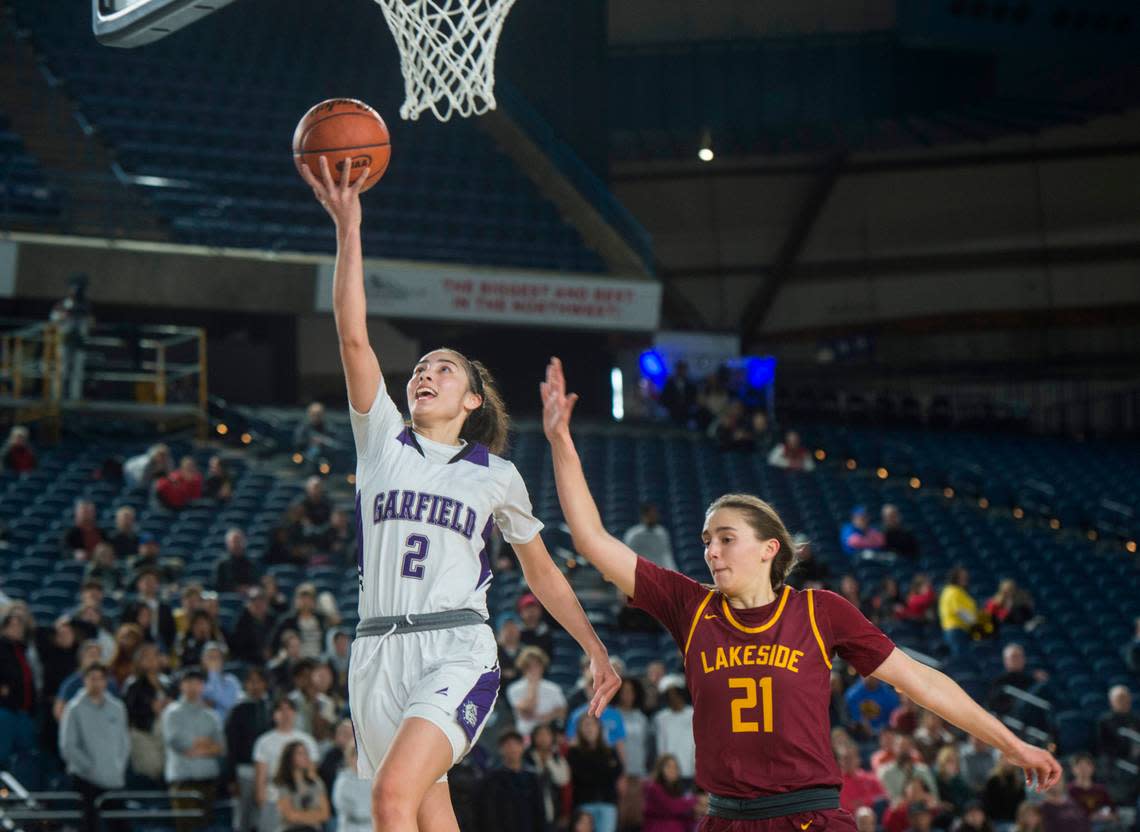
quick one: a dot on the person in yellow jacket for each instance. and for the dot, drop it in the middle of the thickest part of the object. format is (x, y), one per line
(957, 610)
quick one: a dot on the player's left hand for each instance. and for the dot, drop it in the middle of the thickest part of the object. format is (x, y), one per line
(606, 683)
(556, 405)
(1039, 765)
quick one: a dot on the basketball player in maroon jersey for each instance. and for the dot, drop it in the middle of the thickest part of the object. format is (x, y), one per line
(758, 655)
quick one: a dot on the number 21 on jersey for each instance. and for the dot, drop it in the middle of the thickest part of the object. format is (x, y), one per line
(744, 704)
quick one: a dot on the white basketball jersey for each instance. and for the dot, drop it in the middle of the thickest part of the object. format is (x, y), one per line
(423, 516)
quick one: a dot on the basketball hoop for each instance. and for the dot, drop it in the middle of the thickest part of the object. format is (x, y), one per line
(447, 53)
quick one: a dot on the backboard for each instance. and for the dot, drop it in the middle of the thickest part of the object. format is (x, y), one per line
(128, 23)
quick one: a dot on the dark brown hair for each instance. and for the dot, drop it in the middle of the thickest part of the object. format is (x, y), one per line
(767, 525)
(675, 788)
(489, 423)
(284, 774)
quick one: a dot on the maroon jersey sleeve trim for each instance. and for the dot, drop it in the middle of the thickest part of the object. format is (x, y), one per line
(767, 624)
(815, 629)
(693, 626)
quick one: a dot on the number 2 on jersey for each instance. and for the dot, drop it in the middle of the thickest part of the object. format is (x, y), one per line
(747, 701)
(417, 552)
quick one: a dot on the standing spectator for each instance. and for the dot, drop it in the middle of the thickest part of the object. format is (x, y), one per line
(180, 487)
(654, 674)
(920, 600)
(145, 697)
(235, 572)
(1004, 791)
(80, 540)
(594, 772)
(1089, 795)
(337, 658)
(312, 437)
(280, 667)
(638, 743)
(1016, 676)
(733, 431)
(309, 624)
(712, 399)
(94, 744)
(195, 748)
(73, 319)
(613, 726)
(509, 638)
(673, 726)
(898, 538)
(89, 653)
(533, 699)
(351, 796)
(957, 611)
(1119, 715)
(316, 713)
(218, 484)
(125, 537)
(278, 602)
(858, 535)
(222, 689)
(553, 773)
(335, 756)
(92, 625)
(679, 396)
(894, 775)
(147, 468)
(17, 688)
(302, 805)
(248, 720)
(199, 634)
(17, 454)
(649, 538)
(1060, 813)
(250, 638)
(860, 787)
(162, 628)
(267, 752)
(870, 702)
(339, 543)
(667, 806)
(535, 631)
(57, 649)
(978, 761)
(791, 454)
(512, 795)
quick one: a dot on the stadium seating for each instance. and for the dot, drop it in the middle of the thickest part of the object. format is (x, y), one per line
(212, 112)
(25, 195)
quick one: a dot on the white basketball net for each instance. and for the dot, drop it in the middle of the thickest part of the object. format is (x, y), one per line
(447, 53)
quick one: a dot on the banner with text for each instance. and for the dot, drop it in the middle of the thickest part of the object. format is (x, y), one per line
(422, 290)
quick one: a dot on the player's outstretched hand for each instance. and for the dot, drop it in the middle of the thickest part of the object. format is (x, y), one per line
(340, 199)
(606, 683)
(1041, 769)
(556, 405)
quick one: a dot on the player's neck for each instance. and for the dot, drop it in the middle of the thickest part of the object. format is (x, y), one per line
(445, 433)
(757, 595)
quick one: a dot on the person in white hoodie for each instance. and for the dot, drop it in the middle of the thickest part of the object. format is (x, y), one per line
(94, 742)
(352, 796)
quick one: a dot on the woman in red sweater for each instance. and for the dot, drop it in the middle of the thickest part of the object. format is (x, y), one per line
(667, 807)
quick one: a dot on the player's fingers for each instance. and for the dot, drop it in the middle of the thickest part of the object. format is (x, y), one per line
(358, 185)
(310, 180)
(326, 174)
(571, 400)
(345, 172)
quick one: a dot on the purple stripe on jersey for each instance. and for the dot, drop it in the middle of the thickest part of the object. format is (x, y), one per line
(359, 541)
(478, 702)
(478, 455)
(408, 438)
(485, 556)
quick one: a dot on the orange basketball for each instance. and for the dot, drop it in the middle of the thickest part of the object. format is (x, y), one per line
(339, 129)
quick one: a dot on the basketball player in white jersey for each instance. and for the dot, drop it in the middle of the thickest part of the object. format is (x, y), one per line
(424, 674)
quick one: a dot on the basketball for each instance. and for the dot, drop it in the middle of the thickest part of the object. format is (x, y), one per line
(339, 129)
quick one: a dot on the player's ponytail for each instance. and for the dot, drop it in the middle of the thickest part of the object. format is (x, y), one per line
(768, 526)
(489, 423)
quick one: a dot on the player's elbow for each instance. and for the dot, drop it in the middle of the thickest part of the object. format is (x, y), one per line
(591, 541)
(352, 340)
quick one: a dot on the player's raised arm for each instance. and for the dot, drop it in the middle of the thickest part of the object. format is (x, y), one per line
(937, 692)
(613, 558)
(342, 201)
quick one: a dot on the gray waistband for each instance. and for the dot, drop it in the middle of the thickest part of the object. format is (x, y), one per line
(412, 623)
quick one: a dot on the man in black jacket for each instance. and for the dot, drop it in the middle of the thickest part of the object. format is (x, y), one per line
(512, 796)
(235, 572)
(17, 689)
(247, 720)
(249, 641)
(162, 627)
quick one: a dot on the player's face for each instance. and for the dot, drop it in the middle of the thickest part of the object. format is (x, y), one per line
(439, 388)
(734, 554)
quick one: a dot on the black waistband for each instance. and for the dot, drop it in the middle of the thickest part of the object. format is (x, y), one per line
(773, 806)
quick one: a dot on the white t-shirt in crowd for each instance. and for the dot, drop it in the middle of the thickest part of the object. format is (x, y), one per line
(550, 696)
(675, 736)
(352, 802)
(652, 543)
(268, 747)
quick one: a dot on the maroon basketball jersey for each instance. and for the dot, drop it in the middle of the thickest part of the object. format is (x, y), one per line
(760, 679)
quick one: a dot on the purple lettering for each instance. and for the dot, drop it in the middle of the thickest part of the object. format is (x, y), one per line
(422, 502)
(406, 501)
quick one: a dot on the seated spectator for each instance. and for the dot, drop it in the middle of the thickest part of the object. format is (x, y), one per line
(1014, 675)
(128, 639)
(268, 751)
(1119, 715)
(957, 611)
(352, 796)
(512, 795)
(952, 786)
(162, 629)
(17, 454)
(218, 485)
(914, 801)
(1029, 818)
(316, 712)
(191, 598)
(282, 548)
(649, 538)
(199, 633)
(904, 718)
(234, 571)
(679, 395)
(1090, 796)
(125, 537)
(667, 805)
(858, 535)
(870, 702)
(334, 757)
(895, 775)
(535, 630)
(884, 603)
(318, 509)
(791, 454)
(17, 685)
(534, 700)
(1004, 791)
(888, 751)
(733, 430)
(146, 697)
(195, 745)
(860, 787)
(1010, 604)
(865, 820)
(810, 570)
(95, 745)
(977, 761)
(897, 538)
(1131, 650)
(337, 658)
(931, 735)
(312, 437)
(144, 470)
(920, 598)
(594, 772)
(222, 689)
(850, 590)
(180, 487)
(651, 681)
(248, 719)
(105, 569)
(509, 638)
(80, 540)
(973, 819)
(147, 555)
(673, 726)
(339, 545)
(544, 759)
(250, 638)
(1060, 813)
(278, 601)
(302, 804)
(305, 621)
(280, 667)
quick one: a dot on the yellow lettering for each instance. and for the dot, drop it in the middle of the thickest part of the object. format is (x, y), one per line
(721, 659)
(740, 725)
(780, 659)
(705, 662)
(762, 653)
(795, 657)
(748, 653)
(734, 656)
